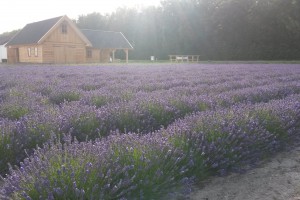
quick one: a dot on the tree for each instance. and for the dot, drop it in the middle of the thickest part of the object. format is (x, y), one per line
(215, 29)
(92, 21)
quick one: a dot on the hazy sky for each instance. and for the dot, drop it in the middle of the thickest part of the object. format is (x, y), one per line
(15, 14)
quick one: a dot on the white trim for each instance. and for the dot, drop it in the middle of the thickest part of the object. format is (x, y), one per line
(28, 51)
(126, 40)
(36, 52)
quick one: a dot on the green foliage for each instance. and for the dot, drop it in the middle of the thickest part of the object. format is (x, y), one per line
(160, 115)
(60, 97)
(87, 87)
(127, 121)
(155, 171)
(203, 106)
(10, 34)
(65, 169)
(7, 150)
(144, 171)
(92, 21)
(272, 123)
(38, 133)
(85, 127)
(209, 28)
(13, 112)
(182, 107)
(13, 143)
(16, 93)
(45, 91)
(126, 96)
(99, 101)
(188, 146)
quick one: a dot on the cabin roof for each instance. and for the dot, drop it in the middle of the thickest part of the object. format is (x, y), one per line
(33, 32)
(36, 32)
(106, 39)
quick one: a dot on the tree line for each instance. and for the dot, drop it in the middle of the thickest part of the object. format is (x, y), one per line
(214, 29)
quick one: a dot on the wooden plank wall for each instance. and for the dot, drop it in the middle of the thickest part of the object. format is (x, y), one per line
(63, 53)
(61, 47)
(105, 55)
(95, 56)
(57, 36)
(25, 58)
(48, 53)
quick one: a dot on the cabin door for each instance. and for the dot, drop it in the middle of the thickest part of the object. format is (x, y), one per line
(64, 54)
(70, 54)
(59, 54)
(13, 55)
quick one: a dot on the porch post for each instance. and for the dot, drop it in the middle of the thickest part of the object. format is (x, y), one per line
(126, 52)
(113, 55)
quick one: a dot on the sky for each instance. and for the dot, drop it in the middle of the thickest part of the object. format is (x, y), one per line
(15, 14)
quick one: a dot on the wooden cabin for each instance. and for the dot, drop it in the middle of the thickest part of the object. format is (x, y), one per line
(60, 41)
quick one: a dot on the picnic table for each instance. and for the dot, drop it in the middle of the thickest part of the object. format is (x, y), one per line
(184, 58)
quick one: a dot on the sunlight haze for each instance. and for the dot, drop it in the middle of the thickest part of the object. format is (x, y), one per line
(15, 14)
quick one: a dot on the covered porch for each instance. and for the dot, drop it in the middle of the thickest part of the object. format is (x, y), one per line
(109, 44)
(113, 55)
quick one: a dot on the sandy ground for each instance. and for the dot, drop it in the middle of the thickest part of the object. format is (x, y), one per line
(277, 178)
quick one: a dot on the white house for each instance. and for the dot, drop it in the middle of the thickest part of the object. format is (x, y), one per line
(3, 50)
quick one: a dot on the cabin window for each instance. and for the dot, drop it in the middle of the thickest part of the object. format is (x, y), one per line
(29, 51)
(36, 52)
(64, 28)
(89, 53)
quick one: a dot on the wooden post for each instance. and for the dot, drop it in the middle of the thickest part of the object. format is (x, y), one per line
(126, 52)
(113, 55)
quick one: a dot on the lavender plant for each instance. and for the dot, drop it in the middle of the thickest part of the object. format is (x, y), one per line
(203, 124)
(68, 96)
(100, 169)
(228, 139)
(99, 101)
(157, 164)
(13, 112)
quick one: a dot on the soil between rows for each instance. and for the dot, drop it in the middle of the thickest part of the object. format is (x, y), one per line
(277, 178)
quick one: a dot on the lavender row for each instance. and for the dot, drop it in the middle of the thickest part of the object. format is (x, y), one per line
(32, 113)
(160, 164)
(118, 82)
(129, 90)
(153, 105)
(87, 122)
(122, 86)
(229, 139)
(149, 113)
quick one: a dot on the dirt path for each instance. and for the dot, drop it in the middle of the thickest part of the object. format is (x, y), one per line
(277, 178)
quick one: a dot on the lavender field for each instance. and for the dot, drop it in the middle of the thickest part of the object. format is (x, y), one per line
(145, 131)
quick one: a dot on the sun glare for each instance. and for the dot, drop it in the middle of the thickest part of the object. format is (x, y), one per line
(34, 10)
